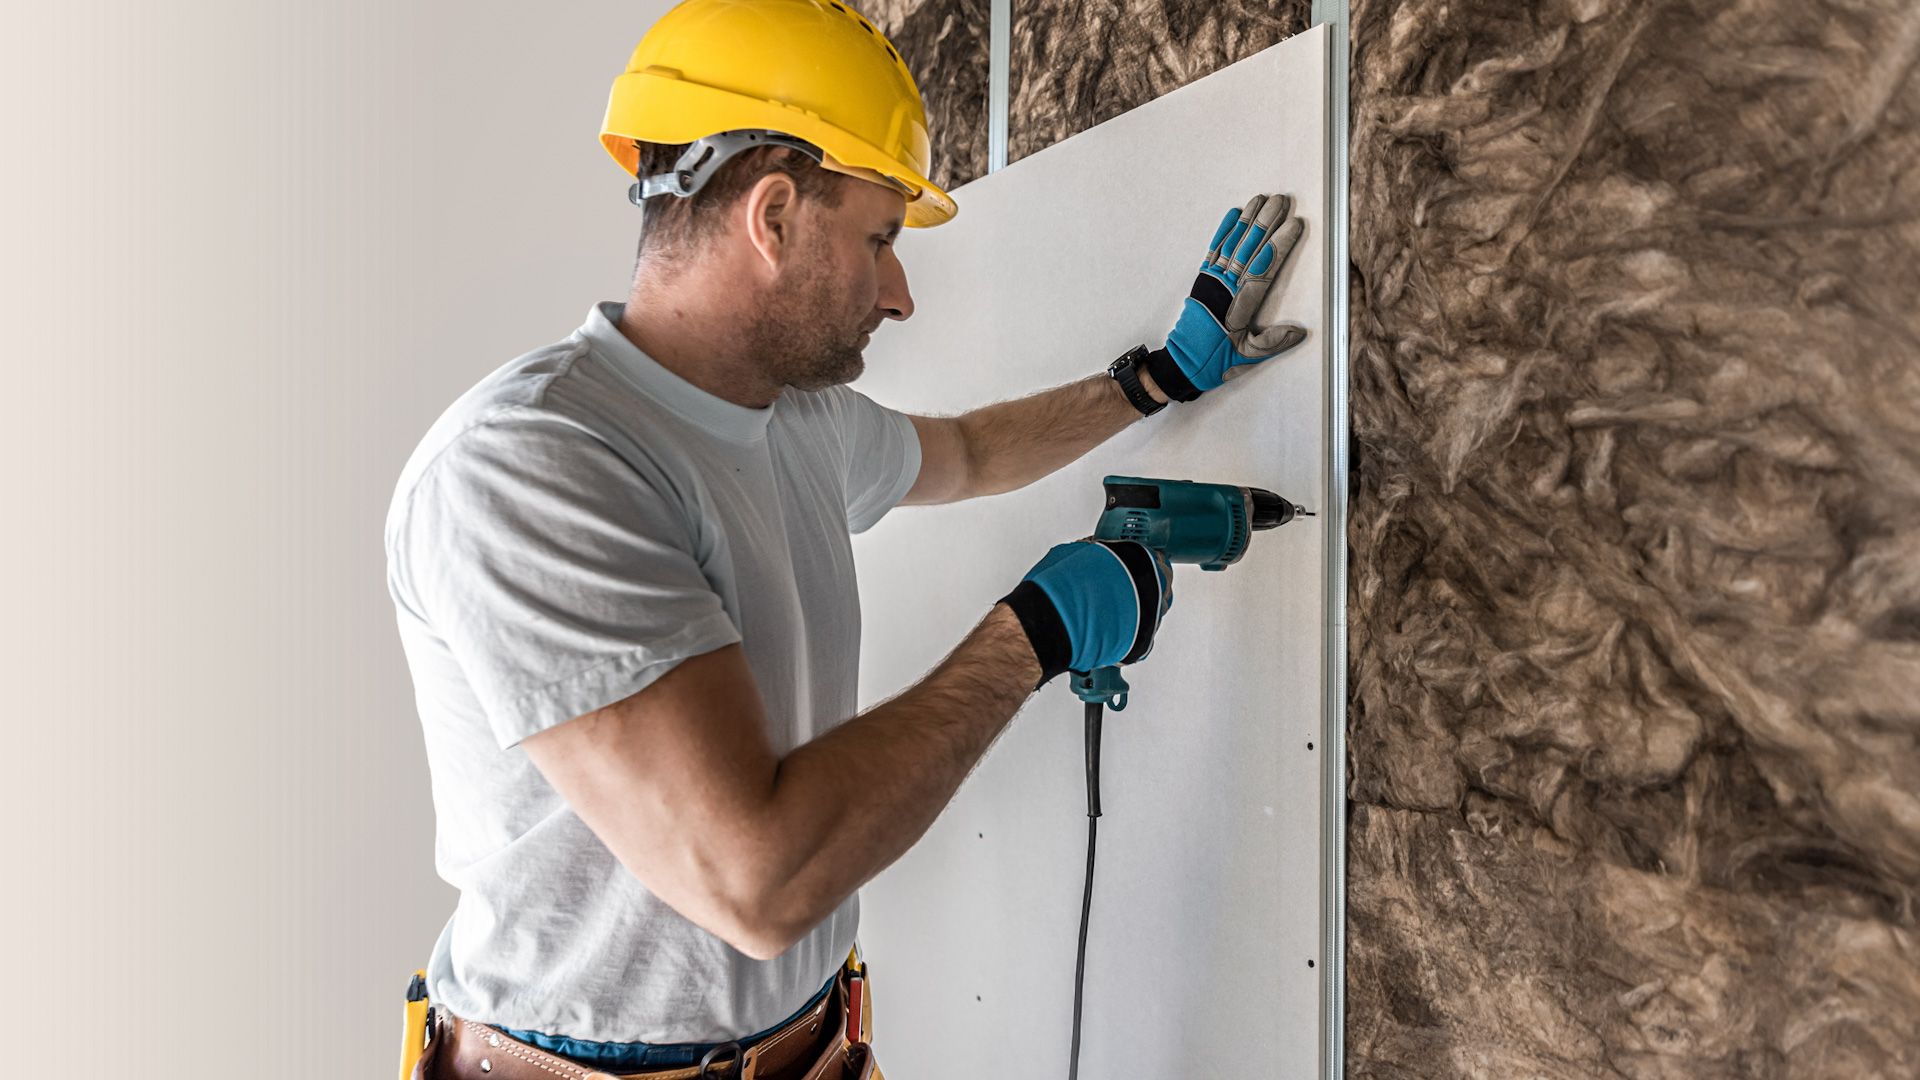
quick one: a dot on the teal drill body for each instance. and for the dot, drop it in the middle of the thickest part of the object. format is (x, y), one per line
(1188, 522)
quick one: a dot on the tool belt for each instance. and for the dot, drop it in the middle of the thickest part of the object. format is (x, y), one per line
(827, 1042)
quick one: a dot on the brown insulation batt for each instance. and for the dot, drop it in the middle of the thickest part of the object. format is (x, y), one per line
(1076, 63)
(1635, 582)
(944, 43)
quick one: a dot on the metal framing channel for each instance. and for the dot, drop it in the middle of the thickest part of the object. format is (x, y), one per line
(999, 53)
(1333, 740)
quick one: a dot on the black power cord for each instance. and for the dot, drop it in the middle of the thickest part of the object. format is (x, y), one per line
(1094, 714)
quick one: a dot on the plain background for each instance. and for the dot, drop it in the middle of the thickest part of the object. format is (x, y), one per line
(248, 251)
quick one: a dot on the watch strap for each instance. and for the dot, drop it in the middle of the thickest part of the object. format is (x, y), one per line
(1126, 372)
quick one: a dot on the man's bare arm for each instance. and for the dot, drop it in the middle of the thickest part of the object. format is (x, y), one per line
(682, 786)
(1007, 446)
(1010, 445)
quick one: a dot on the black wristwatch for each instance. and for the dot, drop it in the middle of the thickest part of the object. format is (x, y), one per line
(1126, 372)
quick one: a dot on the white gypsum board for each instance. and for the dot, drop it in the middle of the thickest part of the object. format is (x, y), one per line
(1207, 893)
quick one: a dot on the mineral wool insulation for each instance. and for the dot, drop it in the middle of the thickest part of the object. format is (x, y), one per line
(1635, 586)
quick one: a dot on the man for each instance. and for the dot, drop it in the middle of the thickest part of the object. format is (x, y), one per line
(624, 581)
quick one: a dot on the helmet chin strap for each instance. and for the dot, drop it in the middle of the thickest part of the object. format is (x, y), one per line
(703, 157)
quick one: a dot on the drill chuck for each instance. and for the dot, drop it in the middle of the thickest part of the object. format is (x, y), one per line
(1270, 510)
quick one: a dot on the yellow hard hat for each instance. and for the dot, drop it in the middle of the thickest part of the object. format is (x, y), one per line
(815, 70)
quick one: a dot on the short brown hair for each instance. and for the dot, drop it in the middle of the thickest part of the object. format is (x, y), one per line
(669, 221)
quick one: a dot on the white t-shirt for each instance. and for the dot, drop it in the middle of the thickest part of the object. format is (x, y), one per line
(568, 531)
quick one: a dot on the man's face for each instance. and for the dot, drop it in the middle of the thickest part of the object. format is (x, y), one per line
(841, 283)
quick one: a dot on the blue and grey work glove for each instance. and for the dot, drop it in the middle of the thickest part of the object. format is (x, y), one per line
(1215, 331)
(1092, 603)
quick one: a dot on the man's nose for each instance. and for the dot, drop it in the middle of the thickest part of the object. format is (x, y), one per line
(895, 299)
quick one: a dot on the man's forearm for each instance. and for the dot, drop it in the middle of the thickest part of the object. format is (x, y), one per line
(1014, 443)
(849, 803)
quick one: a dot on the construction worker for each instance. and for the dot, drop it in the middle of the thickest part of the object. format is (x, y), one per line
(624, 584)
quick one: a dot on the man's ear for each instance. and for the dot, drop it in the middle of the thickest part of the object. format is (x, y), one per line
(770, 207)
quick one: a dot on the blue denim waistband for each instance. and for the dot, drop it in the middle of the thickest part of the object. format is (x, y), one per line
(633, 1056)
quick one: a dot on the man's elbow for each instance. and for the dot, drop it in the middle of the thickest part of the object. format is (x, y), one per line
(762, 932)
(768, 945)
(750, 912)
(741, 914)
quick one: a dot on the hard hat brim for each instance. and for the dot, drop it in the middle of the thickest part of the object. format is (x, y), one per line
(680, 111)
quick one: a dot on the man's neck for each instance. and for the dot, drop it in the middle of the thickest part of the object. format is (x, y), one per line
(687, 328)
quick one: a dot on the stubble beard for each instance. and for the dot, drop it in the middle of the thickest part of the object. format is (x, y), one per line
(800, 335)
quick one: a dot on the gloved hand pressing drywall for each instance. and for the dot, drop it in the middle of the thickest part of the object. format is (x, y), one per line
(1092, 603)
(1215, 331)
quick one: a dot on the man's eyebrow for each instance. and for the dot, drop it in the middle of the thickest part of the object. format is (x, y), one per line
(893, 233)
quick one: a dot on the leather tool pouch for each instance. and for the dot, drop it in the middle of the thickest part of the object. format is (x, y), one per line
(840, 1061)
(464, 1050)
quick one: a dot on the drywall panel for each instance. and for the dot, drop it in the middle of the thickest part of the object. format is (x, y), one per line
(1206, 906)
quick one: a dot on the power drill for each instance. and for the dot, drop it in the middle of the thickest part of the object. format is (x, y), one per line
(1188, 522)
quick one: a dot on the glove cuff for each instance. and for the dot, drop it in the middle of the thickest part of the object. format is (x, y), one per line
(1146, 579)
(1046, 631)
(1167, 375)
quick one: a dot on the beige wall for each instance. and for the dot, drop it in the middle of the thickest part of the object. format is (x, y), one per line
(248, 251)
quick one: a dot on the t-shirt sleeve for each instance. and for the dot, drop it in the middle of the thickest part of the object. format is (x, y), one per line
(883, 457)
(561, 578)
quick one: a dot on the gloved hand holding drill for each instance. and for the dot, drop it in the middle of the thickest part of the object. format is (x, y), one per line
(1093, 603)
(1097, 603)
(1215, 331)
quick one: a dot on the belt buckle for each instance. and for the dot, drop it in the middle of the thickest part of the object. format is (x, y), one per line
(734, 1068)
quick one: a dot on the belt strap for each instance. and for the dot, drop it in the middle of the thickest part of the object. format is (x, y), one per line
(464, 1049)
(461, 1048)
